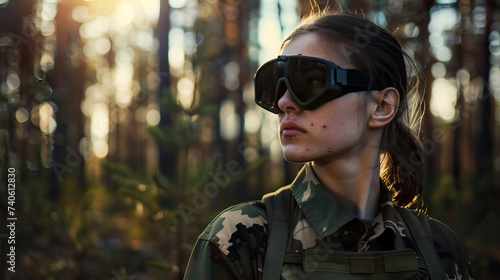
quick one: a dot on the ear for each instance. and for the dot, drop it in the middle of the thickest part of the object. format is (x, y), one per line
(387, 104)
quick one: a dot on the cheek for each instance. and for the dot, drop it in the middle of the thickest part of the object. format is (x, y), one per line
(339, 130)
(319, 127)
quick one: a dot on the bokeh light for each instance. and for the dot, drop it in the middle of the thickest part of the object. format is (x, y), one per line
(252, 121)
(443, 99)
(13, 81)
(229, 120)
(153, 117)
(177, 4)
(443, 19)
(438, 70)
(47, 122)
(22, 115)
(185, 91)
(80, 14)
(99, 129)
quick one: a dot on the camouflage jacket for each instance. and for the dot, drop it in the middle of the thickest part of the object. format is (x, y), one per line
(233, 246)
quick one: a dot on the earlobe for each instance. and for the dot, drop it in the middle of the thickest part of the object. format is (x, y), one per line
(387, 104)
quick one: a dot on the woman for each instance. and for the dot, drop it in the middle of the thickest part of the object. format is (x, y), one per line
(341, 90)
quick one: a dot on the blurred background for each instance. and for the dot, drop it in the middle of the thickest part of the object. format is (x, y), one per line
(131, 124)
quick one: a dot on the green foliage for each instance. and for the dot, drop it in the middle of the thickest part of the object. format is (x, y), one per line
(177, 137)
(124, 171)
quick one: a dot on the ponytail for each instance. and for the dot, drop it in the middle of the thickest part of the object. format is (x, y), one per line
(401, 159)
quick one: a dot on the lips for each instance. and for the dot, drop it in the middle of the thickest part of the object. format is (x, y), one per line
(289, 128)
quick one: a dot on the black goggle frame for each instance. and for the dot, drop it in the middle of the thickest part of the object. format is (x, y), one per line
(273, 76)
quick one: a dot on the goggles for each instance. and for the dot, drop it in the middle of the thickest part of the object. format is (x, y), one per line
(311, 81)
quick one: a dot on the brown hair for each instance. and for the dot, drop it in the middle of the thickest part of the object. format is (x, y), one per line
(377, 53)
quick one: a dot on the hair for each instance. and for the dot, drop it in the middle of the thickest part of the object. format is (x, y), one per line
(375, 52)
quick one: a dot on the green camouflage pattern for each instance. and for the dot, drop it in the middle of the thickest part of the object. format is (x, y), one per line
(233, 245)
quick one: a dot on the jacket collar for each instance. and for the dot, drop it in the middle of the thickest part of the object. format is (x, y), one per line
(326, 214)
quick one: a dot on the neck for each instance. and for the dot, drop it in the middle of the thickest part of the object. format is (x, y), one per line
(354, 181)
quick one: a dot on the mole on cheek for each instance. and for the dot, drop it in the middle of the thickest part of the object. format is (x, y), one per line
(312, 124)
(324, 126)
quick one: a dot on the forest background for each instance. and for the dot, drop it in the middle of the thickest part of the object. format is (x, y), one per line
(127, 125)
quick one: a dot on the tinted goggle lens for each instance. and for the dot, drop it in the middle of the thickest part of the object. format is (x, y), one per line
(306, 79)
(266, 81)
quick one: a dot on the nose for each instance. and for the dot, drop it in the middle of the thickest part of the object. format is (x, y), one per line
(286, 103)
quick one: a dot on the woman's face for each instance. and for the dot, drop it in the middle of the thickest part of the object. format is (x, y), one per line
(337, 129)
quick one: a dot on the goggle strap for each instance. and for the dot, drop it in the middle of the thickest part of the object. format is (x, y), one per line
(354, 79)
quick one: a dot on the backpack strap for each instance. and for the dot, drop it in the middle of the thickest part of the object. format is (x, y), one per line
(278, 220)
(418, 226)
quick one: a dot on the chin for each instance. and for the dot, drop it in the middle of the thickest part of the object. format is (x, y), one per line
(296, 157)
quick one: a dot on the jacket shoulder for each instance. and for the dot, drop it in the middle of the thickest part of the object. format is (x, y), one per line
(448, 246)
(451, 250)
(239, 223)
(445, 238)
